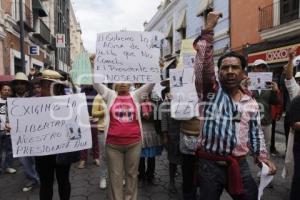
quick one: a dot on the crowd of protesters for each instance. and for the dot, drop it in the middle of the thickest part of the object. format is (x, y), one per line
(128, 132)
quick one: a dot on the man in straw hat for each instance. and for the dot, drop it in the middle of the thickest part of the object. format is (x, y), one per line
(21, 89)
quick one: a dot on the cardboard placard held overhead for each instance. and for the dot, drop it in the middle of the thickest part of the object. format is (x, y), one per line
(49, 125)
(184, 104)
(126, 56)
(187, 54)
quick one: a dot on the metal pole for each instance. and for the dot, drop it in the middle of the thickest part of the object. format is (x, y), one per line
(22, 35)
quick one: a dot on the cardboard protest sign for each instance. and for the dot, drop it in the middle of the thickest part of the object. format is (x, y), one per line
(49, 125)
(81, 72)
(187, 54)
(127, 57)
(260, 80)
(184, 96)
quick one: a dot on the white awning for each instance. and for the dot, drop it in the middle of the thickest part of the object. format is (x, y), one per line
(203, 6)
(181, 23)
(169, 30)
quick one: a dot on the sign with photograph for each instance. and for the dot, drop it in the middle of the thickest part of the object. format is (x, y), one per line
(127, 56)
(187, 54)
(184, 104)
(260, 80)
(49, 125)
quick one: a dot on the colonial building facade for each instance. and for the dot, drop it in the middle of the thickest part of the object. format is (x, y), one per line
(184, 19)
(43, 19)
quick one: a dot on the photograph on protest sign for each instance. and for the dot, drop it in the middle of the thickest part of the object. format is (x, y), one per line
(188, 59)
(184, 95)
(187, 54)
(260, 80)
(49, 125)
(127, 56)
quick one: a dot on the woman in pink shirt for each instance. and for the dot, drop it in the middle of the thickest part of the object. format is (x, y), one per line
(123, 137)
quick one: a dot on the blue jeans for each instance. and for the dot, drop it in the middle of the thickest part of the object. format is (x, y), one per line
(6, 148)
(28, 164)
(295, 192)
(214, 179)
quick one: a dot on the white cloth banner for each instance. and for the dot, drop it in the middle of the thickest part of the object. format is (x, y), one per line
(127, 56)
(49, 125)
(184, 104)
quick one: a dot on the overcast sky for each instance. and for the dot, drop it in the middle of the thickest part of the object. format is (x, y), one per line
(97, 16)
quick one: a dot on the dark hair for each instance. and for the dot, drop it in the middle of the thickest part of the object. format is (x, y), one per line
(233, 54)
(4, 84)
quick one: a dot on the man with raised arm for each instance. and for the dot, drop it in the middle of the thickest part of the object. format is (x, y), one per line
(231, 126)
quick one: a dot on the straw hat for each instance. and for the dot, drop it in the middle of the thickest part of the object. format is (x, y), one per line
(20, 76)
(52, 75)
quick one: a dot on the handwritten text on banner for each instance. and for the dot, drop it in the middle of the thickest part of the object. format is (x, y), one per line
(126, 57)
(49, 125)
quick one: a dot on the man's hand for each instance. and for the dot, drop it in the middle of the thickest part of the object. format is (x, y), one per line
(274, 86)
(271, 165)
(212, 20)
(7, 127)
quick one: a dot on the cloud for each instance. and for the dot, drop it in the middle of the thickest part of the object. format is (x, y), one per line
(97, 16)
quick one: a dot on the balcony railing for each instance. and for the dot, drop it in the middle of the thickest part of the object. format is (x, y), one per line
(42, 32)
(277, 14)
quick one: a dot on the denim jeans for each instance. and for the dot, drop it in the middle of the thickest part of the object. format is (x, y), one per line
(28, 164)
(6, 148)
(213, 179)
(295, 192)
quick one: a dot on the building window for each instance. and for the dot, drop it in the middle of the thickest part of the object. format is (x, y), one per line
(289, 10)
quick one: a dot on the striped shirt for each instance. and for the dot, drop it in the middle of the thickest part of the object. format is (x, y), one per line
(230, 128)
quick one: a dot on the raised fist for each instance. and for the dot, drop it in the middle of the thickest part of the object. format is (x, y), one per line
(212, 19)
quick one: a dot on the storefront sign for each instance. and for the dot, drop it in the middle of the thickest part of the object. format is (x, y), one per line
(273, 55)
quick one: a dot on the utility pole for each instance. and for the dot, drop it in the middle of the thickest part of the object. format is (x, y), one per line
(22, 36)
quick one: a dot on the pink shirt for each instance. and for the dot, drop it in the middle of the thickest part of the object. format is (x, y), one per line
(124, 127)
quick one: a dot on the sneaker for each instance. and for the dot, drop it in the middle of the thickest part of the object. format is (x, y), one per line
(97, 162)
(81, 164)
(10, 170)
(29, 186)
(102, 184)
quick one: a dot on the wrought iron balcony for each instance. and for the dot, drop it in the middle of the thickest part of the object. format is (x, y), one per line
(42, 32)
(279, 13)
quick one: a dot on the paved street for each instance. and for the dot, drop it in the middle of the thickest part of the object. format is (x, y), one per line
(85, 182)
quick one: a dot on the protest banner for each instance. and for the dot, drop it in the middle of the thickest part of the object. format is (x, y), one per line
(187, 54)
(127, 57)
(184, 96)
(81, 72)
(260, 80)
(49, 125)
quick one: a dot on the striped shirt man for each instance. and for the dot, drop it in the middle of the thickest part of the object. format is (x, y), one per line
(230, 127)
